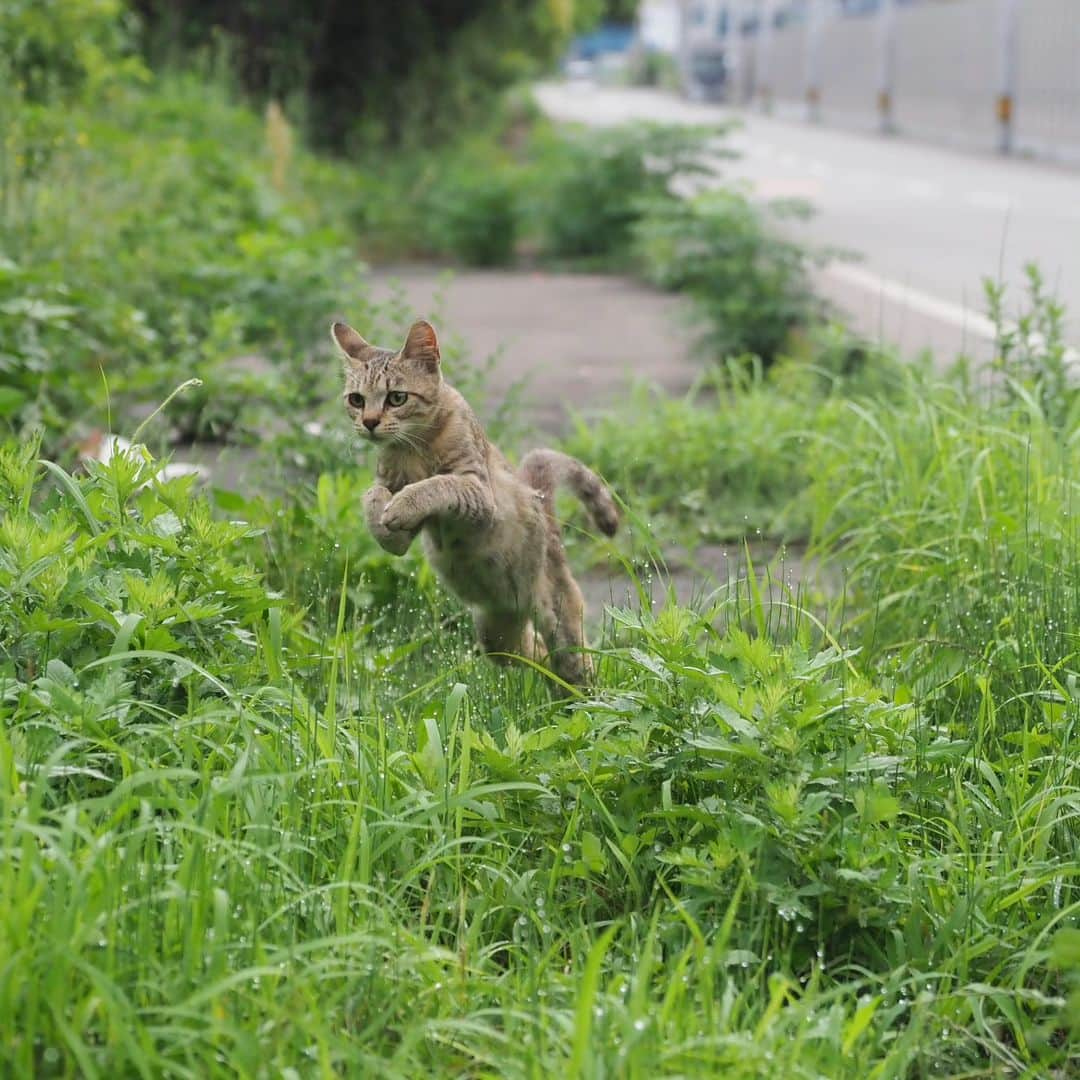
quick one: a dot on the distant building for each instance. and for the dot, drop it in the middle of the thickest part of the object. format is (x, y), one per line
(658, 25)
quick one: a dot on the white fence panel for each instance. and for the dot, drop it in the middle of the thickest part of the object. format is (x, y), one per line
(1048, 77)
(947, 73)
(849, 67)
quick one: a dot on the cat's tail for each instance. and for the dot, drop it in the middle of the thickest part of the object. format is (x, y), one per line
(545, 470)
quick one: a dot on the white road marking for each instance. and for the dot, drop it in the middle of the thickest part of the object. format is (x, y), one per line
(955, 315)
(949, 314)
(787, 187)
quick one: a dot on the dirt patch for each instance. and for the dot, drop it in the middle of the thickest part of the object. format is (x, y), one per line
(712, 571)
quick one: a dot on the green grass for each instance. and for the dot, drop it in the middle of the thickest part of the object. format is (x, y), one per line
(241, 839)
(265, 812)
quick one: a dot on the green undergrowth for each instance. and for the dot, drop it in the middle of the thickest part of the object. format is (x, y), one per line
(745, 440)
(154, 232)
(250, 830)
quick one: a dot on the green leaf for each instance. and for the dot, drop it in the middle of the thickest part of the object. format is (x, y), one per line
(11, 400)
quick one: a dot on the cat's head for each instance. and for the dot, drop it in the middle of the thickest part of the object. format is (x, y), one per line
(392, 396)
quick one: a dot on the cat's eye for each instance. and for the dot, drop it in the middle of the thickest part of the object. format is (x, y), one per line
(396, 397)
(356, 400)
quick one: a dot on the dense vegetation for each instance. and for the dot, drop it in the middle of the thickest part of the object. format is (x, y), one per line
(263, 811)
(370, 73)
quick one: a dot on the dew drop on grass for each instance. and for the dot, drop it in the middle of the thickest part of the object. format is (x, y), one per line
(641, 1024)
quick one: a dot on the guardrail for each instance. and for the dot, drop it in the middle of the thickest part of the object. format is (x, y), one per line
(994, 73)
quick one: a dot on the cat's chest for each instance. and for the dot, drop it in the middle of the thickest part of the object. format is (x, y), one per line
(399, 470)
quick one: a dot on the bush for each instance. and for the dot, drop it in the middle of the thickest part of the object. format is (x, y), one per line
(408, 74)
(474, 213)
(591, 188)
(55, 49)
(747, 283)
(144, 244)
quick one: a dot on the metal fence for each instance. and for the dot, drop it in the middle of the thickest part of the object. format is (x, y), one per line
(989, 73)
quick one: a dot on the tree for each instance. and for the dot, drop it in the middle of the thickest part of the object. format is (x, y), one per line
(370, 71)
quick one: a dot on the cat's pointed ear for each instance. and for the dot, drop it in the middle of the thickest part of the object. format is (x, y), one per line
(421, 344)
(350, 342)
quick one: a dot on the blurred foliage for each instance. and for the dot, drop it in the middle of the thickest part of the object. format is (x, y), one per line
(592, 187)
(370, 73)
(748, 284)
(650, 67)
(142, 242)
(51, 49)
(523, 185)
(474, 211)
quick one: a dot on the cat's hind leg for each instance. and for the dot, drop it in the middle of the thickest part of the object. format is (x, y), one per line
(506, 634)
(562, 623)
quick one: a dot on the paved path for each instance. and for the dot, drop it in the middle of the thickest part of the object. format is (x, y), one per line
(578, 340)
(930, 222)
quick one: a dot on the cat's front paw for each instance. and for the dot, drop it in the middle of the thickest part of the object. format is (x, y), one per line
(402, 514)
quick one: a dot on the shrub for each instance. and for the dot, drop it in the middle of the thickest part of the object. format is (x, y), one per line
(54, 49)
(412, 73)
(147, 244)
(473, 212)
(747, 283)
(591, 188)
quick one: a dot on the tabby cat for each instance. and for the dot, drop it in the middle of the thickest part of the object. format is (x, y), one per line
(489, 530)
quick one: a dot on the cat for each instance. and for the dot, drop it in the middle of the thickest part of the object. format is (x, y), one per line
(490, 531)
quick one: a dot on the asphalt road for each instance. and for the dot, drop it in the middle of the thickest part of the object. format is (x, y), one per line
(929, 223)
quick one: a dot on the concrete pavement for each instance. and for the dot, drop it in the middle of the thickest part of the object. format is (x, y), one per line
(575, 341)
(929, 223)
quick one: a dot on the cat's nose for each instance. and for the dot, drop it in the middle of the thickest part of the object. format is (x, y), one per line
(371, 422)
